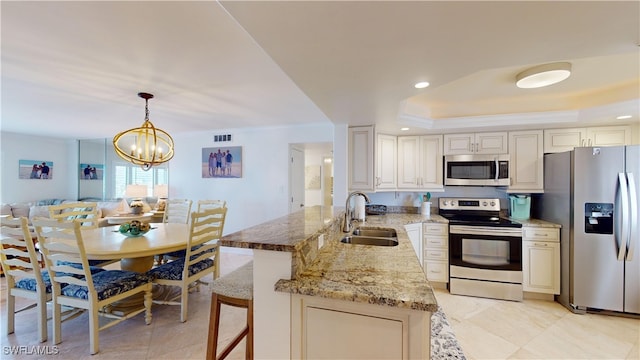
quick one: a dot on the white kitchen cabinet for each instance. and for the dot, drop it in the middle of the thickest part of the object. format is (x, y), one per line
(541, 260)
(420, 163)
(414, 231)
(559, 140)
(526, 163)
(361, 158)
(476, 143)
(386, 169)
(337, 329)
(436, 251)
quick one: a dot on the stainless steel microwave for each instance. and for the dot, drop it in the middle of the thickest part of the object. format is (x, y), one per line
(476, 170)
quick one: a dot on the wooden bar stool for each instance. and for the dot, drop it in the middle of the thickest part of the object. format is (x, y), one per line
(234, 289)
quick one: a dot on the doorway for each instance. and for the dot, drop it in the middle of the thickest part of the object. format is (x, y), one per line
(311, 176)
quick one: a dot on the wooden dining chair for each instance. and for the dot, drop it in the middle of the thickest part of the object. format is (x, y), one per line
(176, 211)
(211, 204)
(86, 213)
(63, 246)
(201, 258)
(22, 271)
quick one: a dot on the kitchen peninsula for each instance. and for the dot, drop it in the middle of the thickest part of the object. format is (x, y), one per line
(299, 263)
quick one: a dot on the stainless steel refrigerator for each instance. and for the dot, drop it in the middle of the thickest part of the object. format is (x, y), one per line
(593, 193)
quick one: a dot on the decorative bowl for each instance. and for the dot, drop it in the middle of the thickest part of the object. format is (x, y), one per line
(134, 228)
(129, 234)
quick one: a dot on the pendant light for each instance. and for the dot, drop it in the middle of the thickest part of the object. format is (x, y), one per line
(146, 145)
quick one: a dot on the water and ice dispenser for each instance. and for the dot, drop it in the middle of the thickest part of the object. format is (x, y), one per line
(598, 218)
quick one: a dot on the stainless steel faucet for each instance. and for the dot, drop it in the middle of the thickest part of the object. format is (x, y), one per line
(346, 227)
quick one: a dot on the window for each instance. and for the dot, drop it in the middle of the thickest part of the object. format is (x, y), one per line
(126, 174)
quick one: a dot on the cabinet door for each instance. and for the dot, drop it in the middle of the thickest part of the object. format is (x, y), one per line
(559, 140)
(386, 162)
(408, 162)
(431, 171)
(609, 136)
(414, 231)
(541, 267)
(491, 143)
(361, 148)
(526, 161)
(456, 144)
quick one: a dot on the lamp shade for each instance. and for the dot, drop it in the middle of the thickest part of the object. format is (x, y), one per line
(543, 75)
(161, 191)
(136, 191)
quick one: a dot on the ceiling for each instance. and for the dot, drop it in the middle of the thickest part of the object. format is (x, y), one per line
(72, 69)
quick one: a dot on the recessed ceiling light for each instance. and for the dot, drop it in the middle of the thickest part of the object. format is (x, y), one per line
(543, 75)
(421, 85)
(404, 129)
(622, 117)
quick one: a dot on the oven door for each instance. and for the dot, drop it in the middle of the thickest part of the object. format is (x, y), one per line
(490, 248)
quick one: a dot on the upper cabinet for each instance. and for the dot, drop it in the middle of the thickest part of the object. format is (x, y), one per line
(526, 161)
(558, 140)
(475, 143)
(386, 146)
(361, 160)
(420, 162)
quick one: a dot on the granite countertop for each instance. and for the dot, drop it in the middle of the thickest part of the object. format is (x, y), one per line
(389, 276)
(536, 223)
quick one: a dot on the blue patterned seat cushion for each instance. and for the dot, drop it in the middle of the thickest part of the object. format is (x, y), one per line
(31, 284)
(92, 263)
(107, 284)
(173, 270)
(183, 253)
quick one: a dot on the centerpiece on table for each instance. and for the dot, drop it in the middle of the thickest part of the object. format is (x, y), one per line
(134, 228)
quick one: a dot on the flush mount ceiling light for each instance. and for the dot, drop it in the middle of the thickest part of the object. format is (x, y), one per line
(145, 146)
(421, 85)
(543, 75)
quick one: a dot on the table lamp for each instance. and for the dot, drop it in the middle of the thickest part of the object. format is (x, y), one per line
(161, 191)
(136, 193)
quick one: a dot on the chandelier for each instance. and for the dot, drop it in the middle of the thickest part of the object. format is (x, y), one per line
(146, 145)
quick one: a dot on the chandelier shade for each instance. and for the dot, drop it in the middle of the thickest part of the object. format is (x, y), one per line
(146, 145)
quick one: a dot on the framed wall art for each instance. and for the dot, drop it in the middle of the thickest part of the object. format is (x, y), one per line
(35, 169)
(222, 162)
(91, 171)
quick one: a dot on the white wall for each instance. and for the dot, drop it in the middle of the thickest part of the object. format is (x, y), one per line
(262, 192)
(63, 153)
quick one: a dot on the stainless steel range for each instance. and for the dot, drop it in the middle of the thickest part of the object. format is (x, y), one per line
(485, 250)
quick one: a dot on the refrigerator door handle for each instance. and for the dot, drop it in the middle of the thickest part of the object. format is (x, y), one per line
(633, 224)
(624, 199)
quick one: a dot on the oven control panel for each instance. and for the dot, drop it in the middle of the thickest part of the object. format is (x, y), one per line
(469, 204)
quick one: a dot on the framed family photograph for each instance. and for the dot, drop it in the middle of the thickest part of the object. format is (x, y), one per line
(91, 171)
(35, 169)
(222, 162)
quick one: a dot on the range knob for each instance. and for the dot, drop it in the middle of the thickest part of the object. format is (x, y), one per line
(493, 203)
(453, 203)
(484, 203)
(445, 203)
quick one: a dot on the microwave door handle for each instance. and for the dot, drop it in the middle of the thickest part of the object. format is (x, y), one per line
(497, 169)
(621, 239)
(633, 224)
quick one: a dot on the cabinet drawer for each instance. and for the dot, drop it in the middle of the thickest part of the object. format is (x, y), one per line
(436, 241)
(434, 254)
(437, 271)
(540, 234)
(435, 229)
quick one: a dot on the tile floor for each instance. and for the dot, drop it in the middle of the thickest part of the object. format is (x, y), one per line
(485, 328)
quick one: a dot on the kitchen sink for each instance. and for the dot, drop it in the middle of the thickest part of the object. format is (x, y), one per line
(375, 232)
(370, 240)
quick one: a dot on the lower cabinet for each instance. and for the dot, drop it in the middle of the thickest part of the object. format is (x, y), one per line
(414, 231)
(436, 251)
(337, 329)
(541, 260)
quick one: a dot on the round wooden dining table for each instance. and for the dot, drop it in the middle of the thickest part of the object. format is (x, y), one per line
(136, 253)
